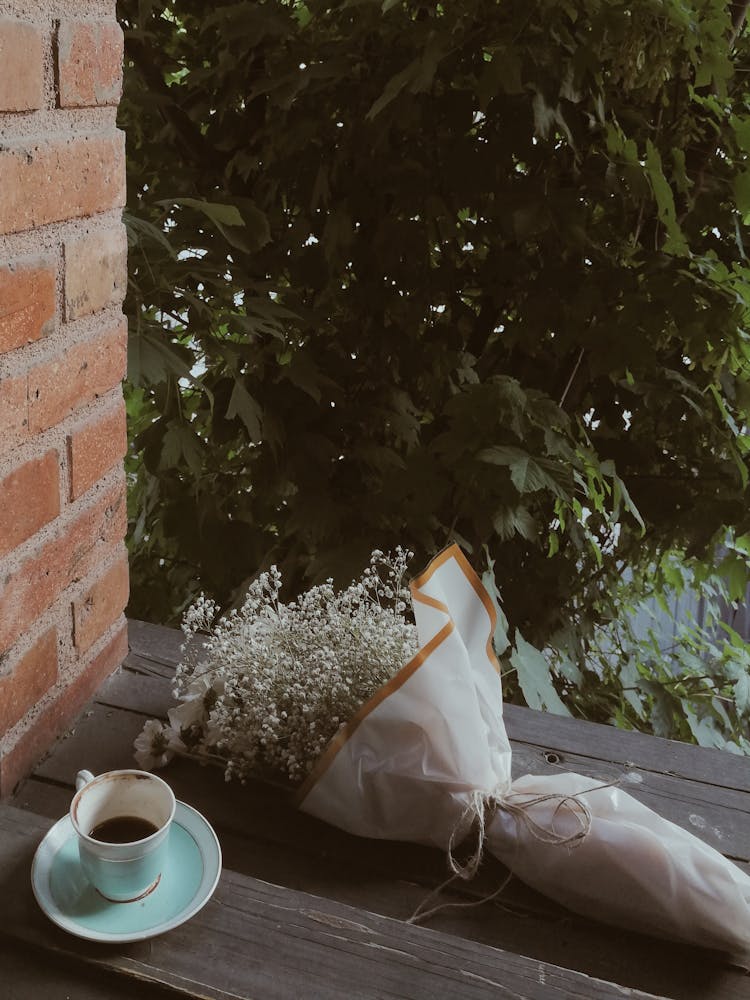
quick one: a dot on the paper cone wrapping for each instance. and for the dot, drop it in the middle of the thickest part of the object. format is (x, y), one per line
(409, 765)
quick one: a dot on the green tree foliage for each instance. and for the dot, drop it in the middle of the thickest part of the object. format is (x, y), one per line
(407, 272)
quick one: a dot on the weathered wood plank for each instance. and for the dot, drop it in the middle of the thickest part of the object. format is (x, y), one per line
(644, 752)
(543, 729)
(154, 642)
(101, 740)
(28, 973)
(137, 691)
(155, 668)
(719, 816)
(263, 836)
(392, 879)
(258, 940)
(269, 843)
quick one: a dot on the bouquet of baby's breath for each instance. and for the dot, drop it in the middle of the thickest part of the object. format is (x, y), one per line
(271, 683)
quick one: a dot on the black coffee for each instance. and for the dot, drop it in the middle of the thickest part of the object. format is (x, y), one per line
(123, 830)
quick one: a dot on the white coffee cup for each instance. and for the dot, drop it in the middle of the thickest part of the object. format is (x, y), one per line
(122, 871)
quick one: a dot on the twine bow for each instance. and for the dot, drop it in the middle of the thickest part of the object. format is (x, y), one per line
(480, 812)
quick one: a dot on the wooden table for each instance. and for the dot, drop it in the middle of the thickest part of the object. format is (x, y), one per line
(306, 911)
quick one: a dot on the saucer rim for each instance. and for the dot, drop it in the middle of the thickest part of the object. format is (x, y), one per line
(209, 849)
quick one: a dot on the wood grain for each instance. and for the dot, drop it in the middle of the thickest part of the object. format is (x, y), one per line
(155, 642)
(717, 815)
(263, 837)
(263, 941)
(542, 729)
(639, 750)
(392, 879)
(28, 973)
(129, 688)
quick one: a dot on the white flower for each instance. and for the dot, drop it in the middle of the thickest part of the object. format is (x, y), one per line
(156, 745)
(193, 710)
(271, 683)
(186, 714)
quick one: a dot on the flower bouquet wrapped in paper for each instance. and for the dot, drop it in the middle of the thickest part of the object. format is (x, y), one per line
(427, 759)
(428, 754)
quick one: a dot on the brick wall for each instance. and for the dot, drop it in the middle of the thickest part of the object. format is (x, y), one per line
(63, 566)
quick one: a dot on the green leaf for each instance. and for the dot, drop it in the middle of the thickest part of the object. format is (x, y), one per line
(228, 219)
(535, 678)
(393, 88)
(737, 575)
(502, 74)
(672, 575)
(303, 372)
(417, 77)
(715, 391)
(676, 242)
(179, 444)
(632, 686)
(527, 476)
(500, 639)
(704, 730)
(257, 231)
(544, 116)
(509, 521)
(547, 117)
(742, 693)
(222, 215)
(526, 473)
(714, 69)
(140, 232)
(741, 185)
(682, 182)
(242, 405)
(570, 670)
(302, 13)
(153, 359)
(741, 128)
(620, 491)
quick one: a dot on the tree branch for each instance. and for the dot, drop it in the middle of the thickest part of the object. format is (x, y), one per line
(739, 9)
(570, 380)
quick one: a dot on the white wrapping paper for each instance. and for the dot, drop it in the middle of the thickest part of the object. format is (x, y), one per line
(414, 761)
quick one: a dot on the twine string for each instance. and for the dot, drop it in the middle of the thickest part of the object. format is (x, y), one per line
(479, 813)
(574, 805)
(421, 914)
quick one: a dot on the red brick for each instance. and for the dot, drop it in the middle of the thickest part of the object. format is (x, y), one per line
(87, 541)
(81, 374)
(89, 63)
(27, 303)
(96, 271)
(17, 761)
(49, 181)
(22, 60)
(29, 499)
(100, 605)
(28, 681)
(95, 447)
(14, 412)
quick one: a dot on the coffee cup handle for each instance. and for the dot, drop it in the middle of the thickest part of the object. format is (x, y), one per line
(83, 778)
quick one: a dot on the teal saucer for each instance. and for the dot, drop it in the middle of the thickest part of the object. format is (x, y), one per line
(188, 880)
